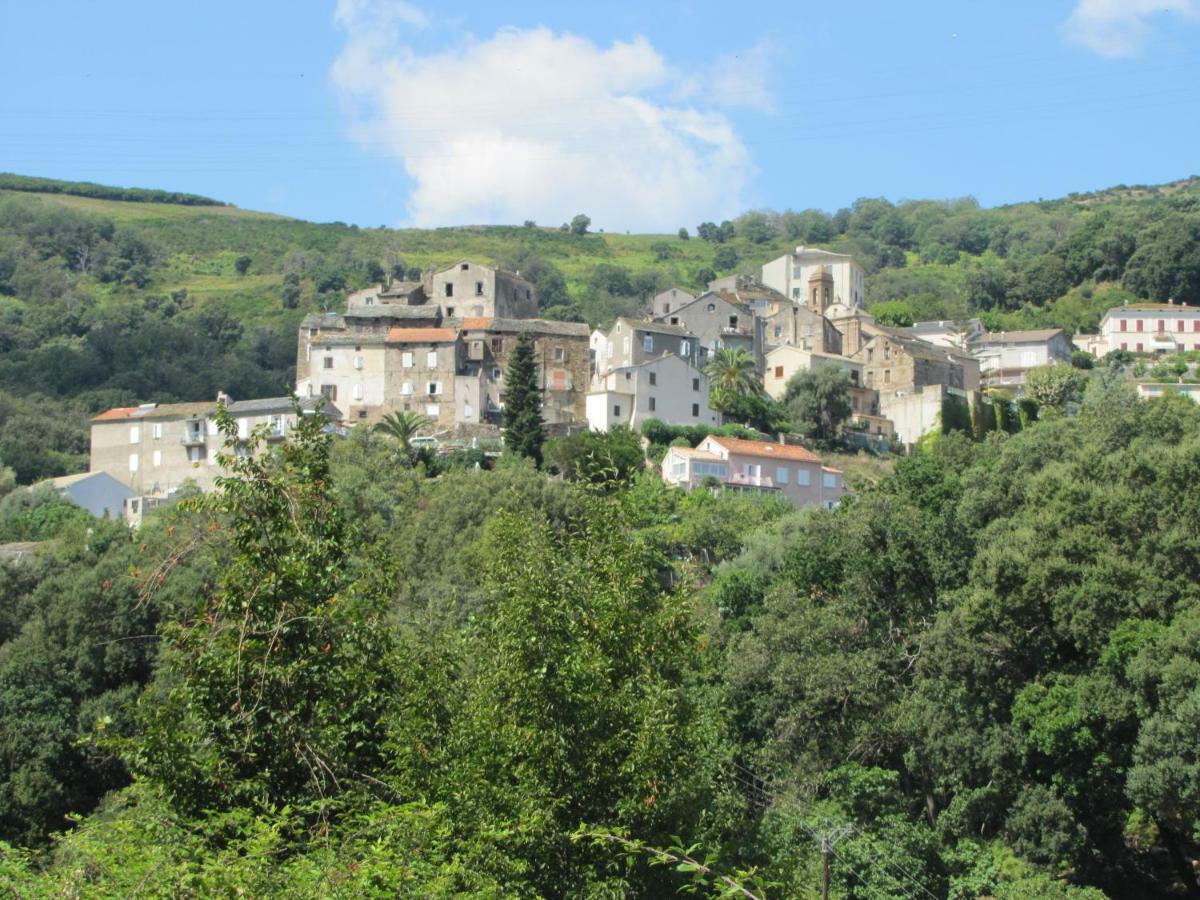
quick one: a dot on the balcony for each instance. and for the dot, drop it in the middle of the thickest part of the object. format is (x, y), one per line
(740, 479)
(192, 439)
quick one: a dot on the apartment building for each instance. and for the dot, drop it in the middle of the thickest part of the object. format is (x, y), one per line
(157, 447)
(1005, 357)
(1151, 328)
(793, 472)
(667, 388)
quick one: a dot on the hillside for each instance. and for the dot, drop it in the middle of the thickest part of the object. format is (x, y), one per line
(116, 301)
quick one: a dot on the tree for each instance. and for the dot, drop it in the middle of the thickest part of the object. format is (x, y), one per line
(683, 234)
(725, 258)
(818, 401)
(289, 292)
(242, 264)
(1053, 387)
(580, 223)
(896, 313)
(403, 426)
(732, 374)
(524, 433)
(601, 457)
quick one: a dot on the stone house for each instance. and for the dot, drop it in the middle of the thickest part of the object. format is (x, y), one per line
(891, 363)
(418, 374)
(667, 388)
(794, 472)
(720, 320)
(668, 301)
(468, 289)
(155, 448)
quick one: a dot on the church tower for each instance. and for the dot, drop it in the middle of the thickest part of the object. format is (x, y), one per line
(820, 290)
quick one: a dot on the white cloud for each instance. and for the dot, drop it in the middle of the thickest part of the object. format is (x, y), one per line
(1120, 27)
(533, 124)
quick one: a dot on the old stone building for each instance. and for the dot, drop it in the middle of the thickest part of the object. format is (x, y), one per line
(469, 289)
(669, 301)
(630, 343)
(891, 363)
(720, 320)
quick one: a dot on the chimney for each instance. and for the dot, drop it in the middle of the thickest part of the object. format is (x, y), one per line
(223, 397)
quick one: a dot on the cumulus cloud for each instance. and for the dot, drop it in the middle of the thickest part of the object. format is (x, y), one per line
(1119, 27)
(534, 124)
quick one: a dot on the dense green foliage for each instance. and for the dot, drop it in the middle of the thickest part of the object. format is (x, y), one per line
(11, 182)
(523, 428)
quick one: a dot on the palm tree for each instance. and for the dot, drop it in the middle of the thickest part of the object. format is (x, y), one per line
(732, 375)
(403, 426)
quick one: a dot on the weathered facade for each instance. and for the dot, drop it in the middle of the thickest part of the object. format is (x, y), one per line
(720, 320)
(468, 289)
(631, 343)
(667, 389)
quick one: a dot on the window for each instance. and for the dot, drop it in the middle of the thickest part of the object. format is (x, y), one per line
(626, 347)
(329, 392)
(1162, 325)
(434, 388)
(497, 374)
(610, 349)
(674, 320)
(653, 378)
(479, 289)
(887, 351)
(870, 354)
(498, 345)
(406, 388)
(616, 410)
(1179, 325)
(243, 429)
(157, 430)
(133, 462)
(358, 362)
(779, 371)
(700, 469)
(370, 301)
(406, 359)
(887, 376)
(684, 347)
(329, 362)
(450, 311)
(195, 454)
(795, 293)
(465, 266)
(781, 475)
(358, 392)
(667, 309)
(1196, 325)
(157, 458)
(560, 354)
(628, 375)
(431, 410)
(648, 343)
(1124, 324)
(1139, 348)
(829, 479)
(431, 359)
(1139, 324)
(733, 322)
(467, 411)
(449, 289)
(652, 406)
(134, 434)
(778, 331)
(695, 384)
(695, 410)
(803, 477)
(712, 307)
(1124, 346)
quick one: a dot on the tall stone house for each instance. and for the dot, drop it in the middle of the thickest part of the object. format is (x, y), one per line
(720, 320)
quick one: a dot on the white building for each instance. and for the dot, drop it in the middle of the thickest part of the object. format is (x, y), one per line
(667, 388)
(949, 332)
(1005, 357)
(1151, 328)
(790, 275)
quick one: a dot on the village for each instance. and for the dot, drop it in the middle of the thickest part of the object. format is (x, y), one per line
(439, 349)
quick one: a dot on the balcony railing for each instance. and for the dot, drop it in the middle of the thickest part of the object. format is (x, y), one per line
(743, 480)
(192, 439)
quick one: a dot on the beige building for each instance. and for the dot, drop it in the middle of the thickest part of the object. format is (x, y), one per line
(667, 389)
(420, 365)
(793, 472)
(791, 274)
(1005, 357)
(155, 448)
(669, 301)
(1151, 328)
(893, 363)
(631, 343)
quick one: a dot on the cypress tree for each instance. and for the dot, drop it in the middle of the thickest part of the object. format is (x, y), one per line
(523, 431)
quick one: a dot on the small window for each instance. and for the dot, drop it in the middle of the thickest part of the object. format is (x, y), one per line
(133, 462)
(803, 477)
(781, 474)
(652, 405)
(406, 388)
(674, 320)
(1125, 324)
(779, 371)
(778, 331)
(497, 344)
(695, 384)
(449, 289)
(653, 378)
(431, 410)
(560, 354)
(695, 410)
(434, 388)
(370, 301)
(358, 362)
(329, 362)
(157, 458)
(667, 309)
(1139, 324)
(479, 289)
(684, 347)
(406, 359)
(431, 359)
(450, 310)
(358, 392)
(887, 376)
(329, 392)
(134, 434)
(497, 374)
(616, 410)
(712, 307)
(829, 480)
(157, 430)
(648, 343)
(733, 322)
(465, 266)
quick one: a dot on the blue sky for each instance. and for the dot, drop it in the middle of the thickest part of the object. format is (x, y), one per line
(399, 113)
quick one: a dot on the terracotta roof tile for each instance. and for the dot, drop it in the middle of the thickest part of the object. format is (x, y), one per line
(117, 412)
(421, 335)
(477, 323)
(766, 448)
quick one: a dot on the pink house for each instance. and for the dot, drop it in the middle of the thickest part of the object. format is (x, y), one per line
(795, 472)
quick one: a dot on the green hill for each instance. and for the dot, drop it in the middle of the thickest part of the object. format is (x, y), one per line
(121, 295)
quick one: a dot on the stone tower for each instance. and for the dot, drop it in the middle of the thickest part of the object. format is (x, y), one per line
(820, 290)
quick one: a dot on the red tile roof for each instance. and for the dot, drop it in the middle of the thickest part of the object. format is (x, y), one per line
(117, 412)
(421, 335)
(766, 449)
(477, 323)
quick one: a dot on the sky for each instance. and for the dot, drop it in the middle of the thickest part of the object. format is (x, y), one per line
(645, 116)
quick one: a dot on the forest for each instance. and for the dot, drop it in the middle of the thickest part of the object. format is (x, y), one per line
(340, 677)
(115, 296)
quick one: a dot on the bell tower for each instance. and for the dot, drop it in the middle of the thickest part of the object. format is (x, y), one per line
(820, 290)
